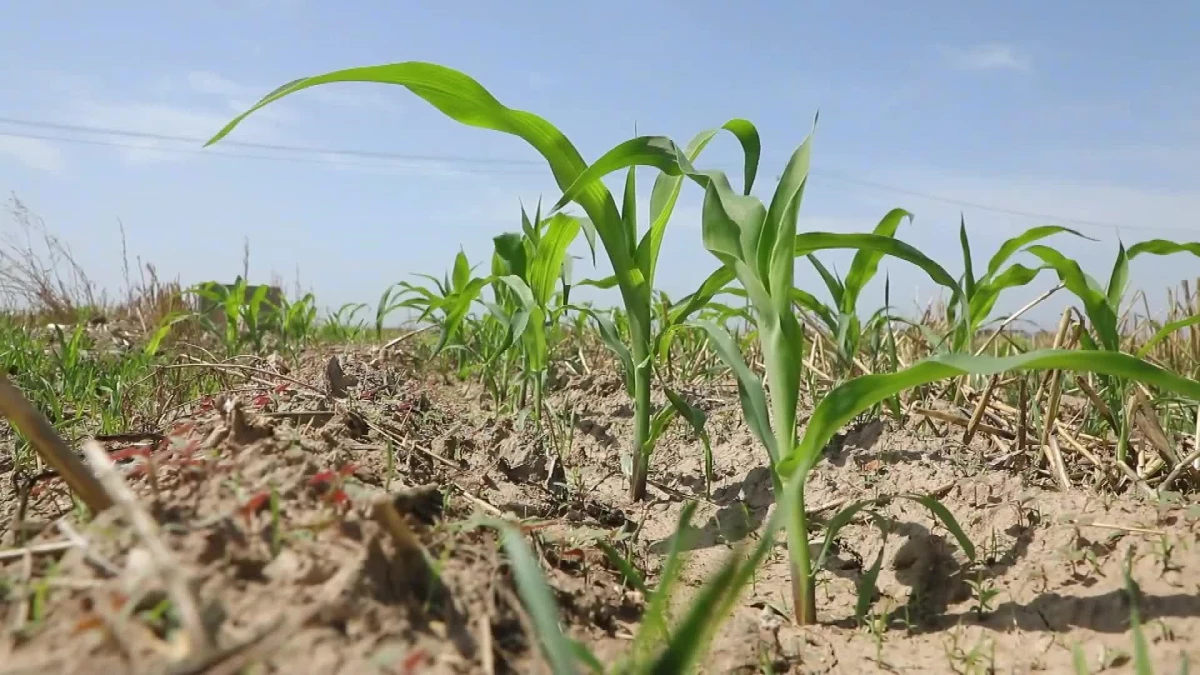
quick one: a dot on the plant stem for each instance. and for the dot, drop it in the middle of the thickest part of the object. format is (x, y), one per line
(803, 576)
(639, 326)
(641, 429)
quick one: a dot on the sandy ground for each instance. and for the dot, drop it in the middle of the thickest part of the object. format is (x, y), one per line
(271, 515)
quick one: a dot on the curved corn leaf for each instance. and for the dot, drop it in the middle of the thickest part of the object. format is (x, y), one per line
(1116, 288)
(750, 388)
(549, 255)
(710, 287)
(867, 582)
(518, 322)
(605, 283)
(510, 249)
(987, 292)
(808, 242)
(164, 329)
(836, 289)
(466, 101)
(667, 188)
(456, 307)
(659, 152)
(612, 339)
(1165, 332)
(855, 396)
(1095, 301)
(1010, 247)
(866, 261)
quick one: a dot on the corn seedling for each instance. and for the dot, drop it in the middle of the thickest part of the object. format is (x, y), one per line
(841, 320)
(758, 245)
(633, 260)
(526, 268)
(982, 293)
(1102, 305)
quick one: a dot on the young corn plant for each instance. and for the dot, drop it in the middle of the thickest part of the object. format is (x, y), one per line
(1102, 305)
(526, 269)
(633, 259)
(447, 302)
(983, 292)
(342, 325)
(240, 315)
(759, 245)
(841, 319)
(853, 397)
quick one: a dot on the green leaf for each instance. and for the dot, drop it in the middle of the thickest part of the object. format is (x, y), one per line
(968, 265)
(988, 292)
(605, 283)
(750, 388)
(655, 626)
(510, 248)
(943, 514)
(667, 188)
(464, 100)
(462, 272)
(866, 583)
(518, 321)
(696, 418)
(163, 330)
(714, 602)
(1163, 247)
(659, 152)
(628, 207)
(1095, 303)
(538, 601)
(456, 307)
(1142, 664)
(711, 286)
(836, 289)
(855, 396)
(808, 242)
(1165, 332)
(1119, 278)
(549, 256)
(866, 261)
(612, 339)
(1010, 247)
(776, 260)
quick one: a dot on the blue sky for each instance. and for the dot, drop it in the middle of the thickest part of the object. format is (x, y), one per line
(1080, 113)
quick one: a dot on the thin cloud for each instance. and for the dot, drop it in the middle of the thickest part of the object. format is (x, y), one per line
(33, 153)
(992, 56)
(163, 119)
(207, 82)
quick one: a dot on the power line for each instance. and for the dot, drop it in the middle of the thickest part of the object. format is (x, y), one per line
(498, 166)
(997, 209)
(240, 155)
(370, 154)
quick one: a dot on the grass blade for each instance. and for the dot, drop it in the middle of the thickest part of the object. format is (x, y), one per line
(539, 602)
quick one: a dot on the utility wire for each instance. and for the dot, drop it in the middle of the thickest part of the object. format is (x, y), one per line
(487, 165)
(272, 146)
(241, 155)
